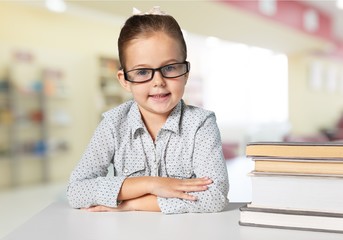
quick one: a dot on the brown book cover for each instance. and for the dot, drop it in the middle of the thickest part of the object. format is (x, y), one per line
(299, 165)
(295, 149)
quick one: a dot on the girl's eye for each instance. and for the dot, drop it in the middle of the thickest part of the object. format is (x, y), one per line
(142, 72)
(169, 68)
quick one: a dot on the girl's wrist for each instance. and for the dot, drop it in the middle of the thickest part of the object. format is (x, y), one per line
(149, 183)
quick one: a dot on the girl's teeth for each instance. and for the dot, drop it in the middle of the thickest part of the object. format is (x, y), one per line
(160, 95)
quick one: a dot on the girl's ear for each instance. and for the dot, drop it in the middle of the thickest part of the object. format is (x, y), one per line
(125, 84)
(186, 76)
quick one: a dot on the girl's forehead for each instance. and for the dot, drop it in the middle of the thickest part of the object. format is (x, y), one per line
(152, 50)
(153, 42)
(159, 42)
(152, 35)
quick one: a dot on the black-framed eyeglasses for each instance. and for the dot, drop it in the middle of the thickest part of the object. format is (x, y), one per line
(142, 75)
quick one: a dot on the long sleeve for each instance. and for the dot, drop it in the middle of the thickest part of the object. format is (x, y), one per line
(88, 183)
(187, 146)
(208, 161)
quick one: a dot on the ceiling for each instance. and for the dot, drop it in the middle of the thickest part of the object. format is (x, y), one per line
(208, 17)
(329, 7)
(124, 8)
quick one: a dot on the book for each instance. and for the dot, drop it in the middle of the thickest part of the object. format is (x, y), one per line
(308, 192)
(291, 219)
(295, 149)
(297, 165)
(296, 185)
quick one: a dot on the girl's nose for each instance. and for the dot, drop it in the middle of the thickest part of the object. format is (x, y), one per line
(158, 79)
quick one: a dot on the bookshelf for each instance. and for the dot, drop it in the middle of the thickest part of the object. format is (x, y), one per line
(33, 120)
(5, 118)
(111, 92)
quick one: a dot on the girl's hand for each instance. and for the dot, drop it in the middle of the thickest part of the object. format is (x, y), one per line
(178, 188)
(100, 208)
(144, 203)
(124, 206)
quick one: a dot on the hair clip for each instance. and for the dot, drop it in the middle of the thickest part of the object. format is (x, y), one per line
(154, 11)
(136, 11)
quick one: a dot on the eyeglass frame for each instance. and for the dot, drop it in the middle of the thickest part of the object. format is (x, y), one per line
(188, 67)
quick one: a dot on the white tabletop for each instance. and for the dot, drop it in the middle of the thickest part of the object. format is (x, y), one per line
(59, 222)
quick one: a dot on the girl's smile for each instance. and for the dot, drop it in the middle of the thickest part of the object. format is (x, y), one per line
(160, 97)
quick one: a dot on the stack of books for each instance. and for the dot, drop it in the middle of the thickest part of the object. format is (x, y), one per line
(296, 186)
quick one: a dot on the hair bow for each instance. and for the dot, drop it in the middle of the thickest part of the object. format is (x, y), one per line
(154, 11)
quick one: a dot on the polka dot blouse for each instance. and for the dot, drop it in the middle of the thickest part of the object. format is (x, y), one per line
(187, 146)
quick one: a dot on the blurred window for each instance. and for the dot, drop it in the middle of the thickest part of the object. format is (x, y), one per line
(242, 84)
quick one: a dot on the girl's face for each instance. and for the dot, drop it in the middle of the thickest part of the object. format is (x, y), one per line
(160, 95)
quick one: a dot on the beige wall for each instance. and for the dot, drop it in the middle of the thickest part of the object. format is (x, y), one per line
(70, 43)
(311, 109)
(26, 25)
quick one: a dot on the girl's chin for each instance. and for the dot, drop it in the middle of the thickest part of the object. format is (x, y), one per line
(161, 109)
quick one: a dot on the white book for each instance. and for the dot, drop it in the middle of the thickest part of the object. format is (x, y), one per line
(297, 192)
(291, 219)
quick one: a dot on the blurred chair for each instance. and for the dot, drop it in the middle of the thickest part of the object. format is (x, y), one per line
(336, 132)
(230, 150)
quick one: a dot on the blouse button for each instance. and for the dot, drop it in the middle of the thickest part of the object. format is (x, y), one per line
(125, 170)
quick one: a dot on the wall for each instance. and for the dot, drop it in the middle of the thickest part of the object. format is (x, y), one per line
(313, 108)
(81, 38)
(71, 42)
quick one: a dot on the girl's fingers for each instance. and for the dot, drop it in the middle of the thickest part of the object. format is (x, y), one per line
(96, 209)
(199, 180)
(99, 209)
(196, 182)
(178, 188)
(194, 185)
(186, 196)
(191, 188)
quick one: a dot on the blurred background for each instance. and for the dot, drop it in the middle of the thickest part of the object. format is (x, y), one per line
(270, 69)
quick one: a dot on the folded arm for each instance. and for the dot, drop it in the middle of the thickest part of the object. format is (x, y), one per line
(208, 161)
(140, 193)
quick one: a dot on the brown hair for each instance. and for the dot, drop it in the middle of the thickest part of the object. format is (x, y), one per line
(144, 25)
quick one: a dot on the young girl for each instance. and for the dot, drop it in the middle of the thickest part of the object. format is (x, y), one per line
(167, 156)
